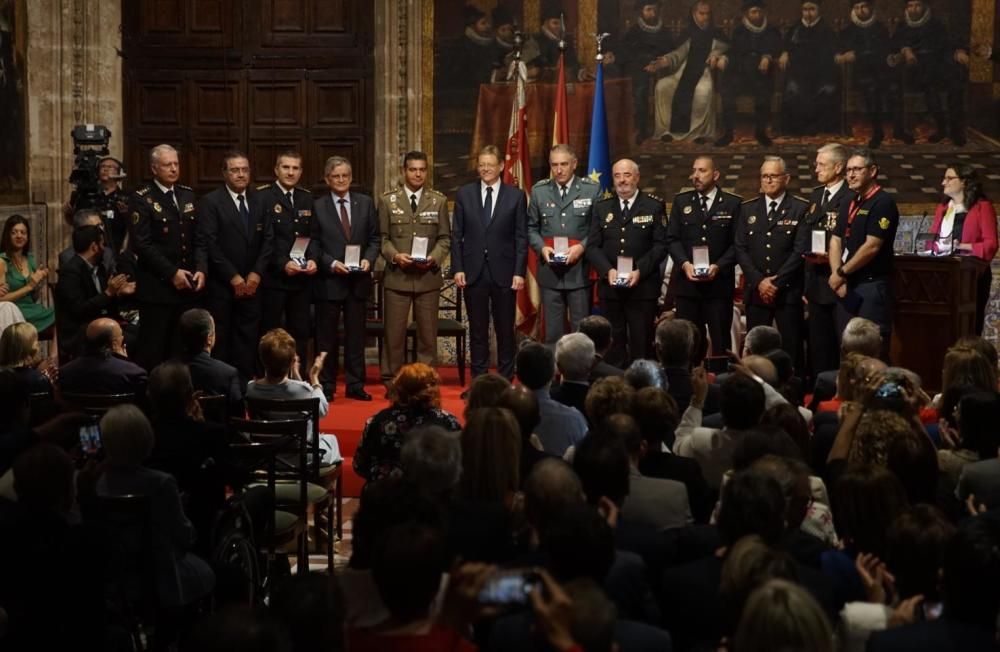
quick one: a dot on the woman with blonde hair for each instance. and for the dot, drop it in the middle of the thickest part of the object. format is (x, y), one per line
(782, 615)
(416, 401)
(19, 352)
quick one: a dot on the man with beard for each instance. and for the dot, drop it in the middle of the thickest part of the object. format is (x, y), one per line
(705, 217)
(933, 63)
(749, 67)
(866, 229)
(811, 101)
(865, 44)
(824, 205)
(646, 40)
(685, 98)
(547, 41)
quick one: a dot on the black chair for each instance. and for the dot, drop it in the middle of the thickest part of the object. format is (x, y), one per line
(447, 326)
(214, 407)
(325, 475)
(96, 403)
(43, 407)
(130, 580)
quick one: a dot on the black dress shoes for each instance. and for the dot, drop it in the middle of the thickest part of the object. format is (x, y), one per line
(358, 395)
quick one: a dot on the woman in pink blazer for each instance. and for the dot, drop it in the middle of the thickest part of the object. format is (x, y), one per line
(966, 216)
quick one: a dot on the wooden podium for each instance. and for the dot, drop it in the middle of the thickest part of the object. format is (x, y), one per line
(935, 305)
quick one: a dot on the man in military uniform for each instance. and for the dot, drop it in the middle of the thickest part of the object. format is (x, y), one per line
(286, 288)
(631, 224)
(705, 217)
(172, 256)
(412, 267)
(749, 69)
(769, 248)
(866, 229)
(864, 43)
(933, 63)
(824, 204)
(560, 207)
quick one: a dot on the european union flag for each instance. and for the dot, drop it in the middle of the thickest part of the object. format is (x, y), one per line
(599, 162)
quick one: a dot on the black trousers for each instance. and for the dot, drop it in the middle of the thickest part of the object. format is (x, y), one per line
(328, 339)
(631, 329)
(872, 299)
(480, 298)
(787, 318)
(712, 313)
(237, 328)
(158, 330)
(289, 309)
(824, 338)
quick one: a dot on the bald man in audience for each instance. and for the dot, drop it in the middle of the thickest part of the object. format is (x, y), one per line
(104, 367)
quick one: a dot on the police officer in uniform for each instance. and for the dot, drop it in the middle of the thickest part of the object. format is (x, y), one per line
(769, 248)
(824, 204)
(861, 249)
(413, 211)
(286, 288)
(112, 203)
(630, 224)
(172, 259)
(705, 216)
(560, 207)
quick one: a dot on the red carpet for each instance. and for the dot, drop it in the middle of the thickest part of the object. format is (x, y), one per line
(347, 417)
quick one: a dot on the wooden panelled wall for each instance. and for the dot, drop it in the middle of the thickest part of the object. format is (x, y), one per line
(260, 75)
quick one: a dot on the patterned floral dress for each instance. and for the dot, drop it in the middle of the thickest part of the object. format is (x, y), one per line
(378, 453)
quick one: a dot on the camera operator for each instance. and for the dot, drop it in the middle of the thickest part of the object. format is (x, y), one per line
(112, 202)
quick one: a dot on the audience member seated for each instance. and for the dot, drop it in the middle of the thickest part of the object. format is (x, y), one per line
(81, 218)
(971, 595)
(416, 401)
(645, 373)
(809, 527)
(213, 377)
(19, 353)
(656, 502)
(789, 419)
(485, 391)
(574, 360)
(561, 426)
(607, 396)
(741, 402)
(916, 544)
(181, 577)
(965, 365)
(52, 566)
(86, 290)
(523, 404)
(311, 607)
(187, 447)
(976, 437)
(16, 435)
(783, 616)
(862, 337)
(674, 349)
(20, 275)
(750, 563)
(761, 340)
(655, 412)
(104, 367)
(598, 329)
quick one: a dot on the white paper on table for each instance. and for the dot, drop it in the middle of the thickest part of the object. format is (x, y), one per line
(419, 248)
(352, 256)
(819, 241)
(699, 258)
(561, 245)
(624, 266)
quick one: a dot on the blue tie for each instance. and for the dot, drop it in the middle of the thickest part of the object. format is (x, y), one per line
(488, 205)
(245, 215)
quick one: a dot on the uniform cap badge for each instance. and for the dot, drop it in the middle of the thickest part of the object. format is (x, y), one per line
(157, 207)
(687, 210)
(609, 218)
(277, 208)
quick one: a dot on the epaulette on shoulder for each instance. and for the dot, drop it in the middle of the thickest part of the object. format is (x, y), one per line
(436, 193)
(303, 189)
(389, 192)
(751, 200)
(656, 197)
(542, 182)
(264, 186)
(142, 190)
(820, 187)
(587, 181)
(732, 194)
(801, 199)
(183, 187)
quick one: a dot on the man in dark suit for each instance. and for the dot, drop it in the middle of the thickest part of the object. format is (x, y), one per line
(209, 375)
(172, 260)
(231, 222)
(103, 368)
(489, 254)
(343, 219)
(705, 217)
(598, 329)
(824, 204)
(85, 292)
(89, 217)
(286, 287)
(632, 224)
(769, 247)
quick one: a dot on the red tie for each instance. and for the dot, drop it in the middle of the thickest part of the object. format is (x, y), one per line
(344, 221)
